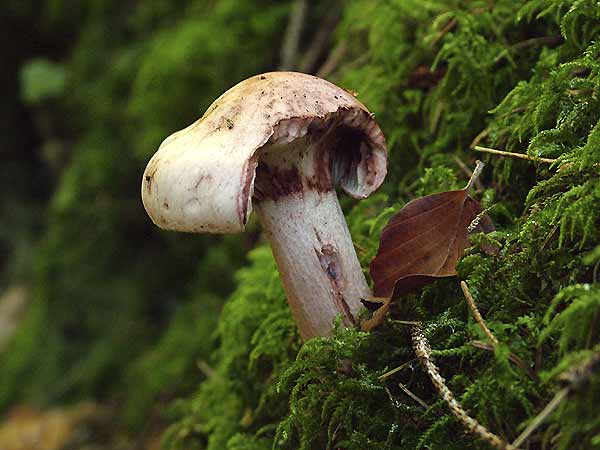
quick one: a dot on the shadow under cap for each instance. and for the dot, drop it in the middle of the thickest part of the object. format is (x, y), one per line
(202, 178)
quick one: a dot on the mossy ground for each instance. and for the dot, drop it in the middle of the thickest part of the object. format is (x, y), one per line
(522, 77)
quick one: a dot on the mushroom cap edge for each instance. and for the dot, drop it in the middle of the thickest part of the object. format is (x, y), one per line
(201, 179)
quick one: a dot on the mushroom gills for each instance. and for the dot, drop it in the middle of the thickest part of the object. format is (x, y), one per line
(328, 156)
(295, 198)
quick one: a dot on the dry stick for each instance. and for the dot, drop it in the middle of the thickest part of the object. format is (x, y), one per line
(467, 172)
(477, 314)
(445, 30)
(379, 315)
(560, 395)
(513, 155)
(544, 40)
(511, 357)
(319, 41)
(291, 40)
(389, 373)
(413, 396)
(479, 319)
(423, 352)
(473, 180)
(482, 134)
(406, 322)
(550, 236)
(333, 60)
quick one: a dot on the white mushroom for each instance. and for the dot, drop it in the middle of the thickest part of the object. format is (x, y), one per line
(282, 141)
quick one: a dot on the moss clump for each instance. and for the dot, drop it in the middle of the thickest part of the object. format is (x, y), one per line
(519, 76)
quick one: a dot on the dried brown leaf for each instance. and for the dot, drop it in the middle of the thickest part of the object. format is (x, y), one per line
(424, 240)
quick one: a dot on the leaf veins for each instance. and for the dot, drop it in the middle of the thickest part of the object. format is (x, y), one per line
(424, 240)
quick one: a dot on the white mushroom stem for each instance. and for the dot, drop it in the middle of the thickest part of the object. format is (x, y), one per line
(317, 262)
(299, 209)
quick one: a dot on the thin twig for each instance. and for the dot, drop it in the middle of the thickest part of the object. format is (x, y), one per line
(395, 402)
(205, 368)
(482, 134)
(445, 30)
(423, 352)
(543, 40)
(467, 172)
(539, 419)
(291, 40)
(511, 357)
(477, 314)
(413, 396)
(513, 155)
(319, 42)
(333, 60)
(550, 236)
(406, 322)
(378, 316)
(478, 168)
(360, 248)
(575, 376)
(494, 341)
(389, 373)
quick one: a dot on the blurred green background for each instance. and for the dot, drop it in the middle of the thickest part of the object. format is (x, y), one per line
(100, 297)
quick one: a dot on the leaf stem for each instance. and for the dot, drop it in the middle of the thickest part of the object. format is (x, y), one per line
(475, 176)
(468, 172)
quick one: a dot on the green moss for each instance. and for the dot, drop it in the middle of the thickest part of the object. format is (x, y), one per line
(518, 76)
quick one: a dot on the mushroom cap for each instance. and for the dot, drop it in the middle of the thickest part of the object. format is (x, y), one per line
(201, 179)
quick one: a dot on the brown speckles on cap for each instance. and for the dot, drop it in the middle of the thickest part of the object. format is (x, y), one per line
(204, 178)
(254, 113)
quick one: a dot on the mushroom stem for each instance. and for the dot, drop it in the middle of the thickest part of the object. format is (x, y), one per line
(312, 246)
(280, 143)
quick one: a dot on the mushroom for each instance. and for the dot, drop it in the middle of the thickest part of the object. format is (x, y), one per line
(279, 142)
